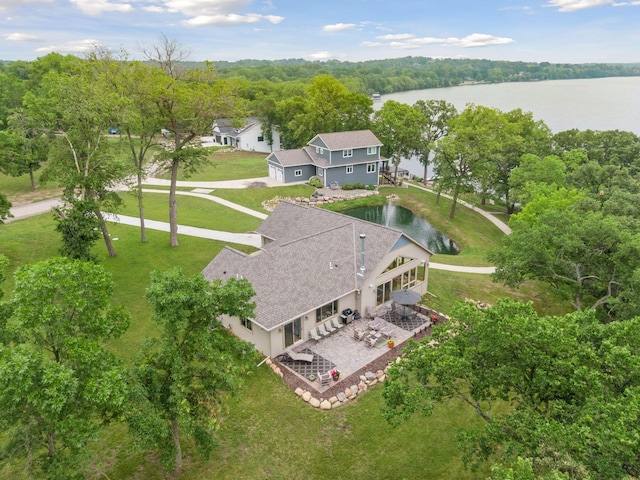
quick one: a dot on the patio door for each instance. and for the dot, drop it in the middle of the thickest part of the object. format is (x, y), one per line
(292, 332)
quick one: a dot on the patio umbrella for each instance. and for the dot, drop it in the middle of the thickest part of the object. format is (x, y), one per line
(405, 297)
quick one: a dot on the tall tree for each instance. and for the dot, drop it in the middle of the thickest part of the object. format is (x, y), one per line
(561, 391)
(589, 257)
(399, 127)
(187, 103)
(138, 117)
(326, 106)
(79, 109)
(58, 384)
(437, 114)
(461, 156)
(181, 378)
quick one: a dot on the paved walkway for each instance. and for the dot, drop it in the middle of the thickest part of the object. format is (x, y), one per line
(45, 206)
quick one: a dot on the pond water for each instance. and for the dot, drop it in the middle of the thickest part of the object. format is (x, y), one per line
(403, 219)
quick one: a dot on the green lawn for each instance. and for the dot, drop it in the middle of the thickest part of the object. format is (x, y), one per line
(268, 432)
(192, 211)
(228, 165)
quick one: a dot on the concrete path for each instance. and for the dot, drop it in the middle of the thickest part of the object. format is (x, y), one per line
(252, 239)
(45, 206)
(492, 218)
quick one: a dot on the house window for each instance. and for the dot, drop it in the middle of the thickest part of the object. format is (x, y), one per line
(292, 332)
(319, 150)
(347, 153)
(326, 311)
(372, 150)
(349, 168)
(320, 172)
(246, 323)
(371, 168)
(261, 138)
(297, 173)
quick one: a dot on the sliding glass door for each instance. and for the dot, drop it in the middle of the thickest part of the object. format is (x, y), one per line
(292, 332)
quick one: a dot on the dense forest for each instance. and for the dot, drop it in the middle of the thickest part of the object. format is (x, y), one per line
(414, 73)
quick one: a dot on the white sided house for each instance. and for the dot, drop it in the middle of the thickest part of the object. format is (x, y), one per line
(314, 264)
(249, 137)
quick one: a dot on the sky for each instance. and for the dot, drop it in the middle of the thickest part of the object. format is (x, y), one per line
(557, 31)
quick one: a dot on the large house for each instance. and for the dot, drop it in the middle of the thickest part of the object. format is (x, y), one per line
(249, 137)
(335, 158)
(314, 264)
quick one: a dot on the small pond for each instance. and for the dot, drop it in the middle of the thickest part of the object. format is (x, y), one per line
(403, 219)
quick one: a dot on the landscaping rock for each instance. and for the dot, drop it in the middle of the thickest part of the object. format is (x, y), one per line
(298, 391)
(347, 392)
(306, 396)
(314, 402)
(369, 376)
(325, 405)
(342, 397)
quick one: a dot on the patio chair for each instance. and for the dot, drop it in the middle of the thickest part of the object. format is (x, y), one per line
(371, 340)
(313, 333)
(375, 324)
(322, 330)
(301, 357)
(324, 379)
(359, 334)
(327, 325)
(388, 331)
(337, 324)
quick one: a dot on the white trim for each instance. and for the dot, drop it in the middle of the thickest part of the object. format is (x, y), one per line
(371, 170)
(372, 150)
(349, 169)
(347, 152)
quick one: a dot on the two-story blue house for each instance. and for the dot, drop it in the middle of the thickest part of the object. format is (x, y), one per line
(335, 158)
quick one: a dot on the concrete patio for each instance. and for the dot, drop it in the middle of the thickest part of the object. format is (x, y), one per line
(343, 352)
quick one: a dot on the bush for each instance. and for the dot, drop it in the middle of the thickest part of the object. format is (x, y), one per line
(370, 187)
(316, 182)
(354, 186)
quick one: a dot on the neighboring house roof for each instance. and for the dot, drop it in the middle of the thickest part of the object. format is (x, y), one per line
(353, 139)
(225, 126)
(313, 259)
(290, 158)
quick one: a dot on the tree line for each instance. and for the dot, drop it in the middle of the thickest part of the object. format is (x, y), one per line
(573, 197)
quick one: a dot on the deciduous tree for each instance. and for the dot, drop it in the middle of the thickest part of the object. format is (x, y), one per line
(561, 391)
(58, 384)
(437, 114)
(187, 103)
(181, 379)
(399, 127)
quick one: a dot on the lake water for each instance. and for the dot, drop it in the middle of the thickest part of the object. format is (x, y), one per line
(403, 219)
(595, 104)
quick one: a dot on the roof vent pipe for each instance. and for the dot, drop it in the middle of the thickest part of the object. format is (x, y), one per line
(362, 267)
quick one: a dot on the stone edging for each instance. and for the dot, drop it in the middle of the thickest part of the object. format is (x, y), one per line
(367, 380)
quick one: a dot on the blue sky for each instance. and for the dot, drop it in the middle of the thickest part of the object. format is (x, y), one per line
(564, 31)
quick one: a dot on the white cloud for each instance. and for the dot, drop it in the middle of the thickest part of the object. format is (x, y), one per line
(635, 3)
(154, 9)
(395, 36)
(575, 5)
(470, 41)
(337, 27)
(195, 8)
(478, 40)
(372, 44)
(319, 56)
(231, 19)
(97, 7)
(80, 46)
(21, 37)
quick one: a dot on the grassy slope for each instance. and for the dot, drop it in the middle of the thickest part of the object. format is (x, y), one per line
(254, 441)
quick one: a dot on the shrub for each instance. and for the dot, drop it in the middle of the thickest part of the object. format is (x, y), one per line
(316, 182)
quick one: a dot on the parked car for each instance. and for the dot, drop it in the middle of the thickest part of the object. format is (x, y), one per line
(114, 130)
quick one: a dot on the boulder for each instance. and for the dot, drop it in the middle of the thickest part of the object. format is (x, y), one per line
(325, 405)
(298, 391)
(314, 402)
(306, 396)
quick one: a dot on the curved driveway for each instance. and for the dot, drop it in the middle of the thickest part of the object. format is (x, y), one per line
(44, 206)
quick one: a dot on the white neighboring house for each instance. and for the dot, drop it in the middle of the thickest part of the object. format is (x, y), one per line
(249, 137)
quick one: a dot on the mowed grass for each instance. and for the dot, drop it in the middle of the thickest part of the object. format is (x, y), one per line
(268, 432)
(192, 211)
(228, 165)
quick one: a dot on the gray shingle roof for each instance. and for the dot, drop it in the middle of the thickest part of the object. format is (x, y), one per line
(291, 275)
(290, 158)
(354, 139)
